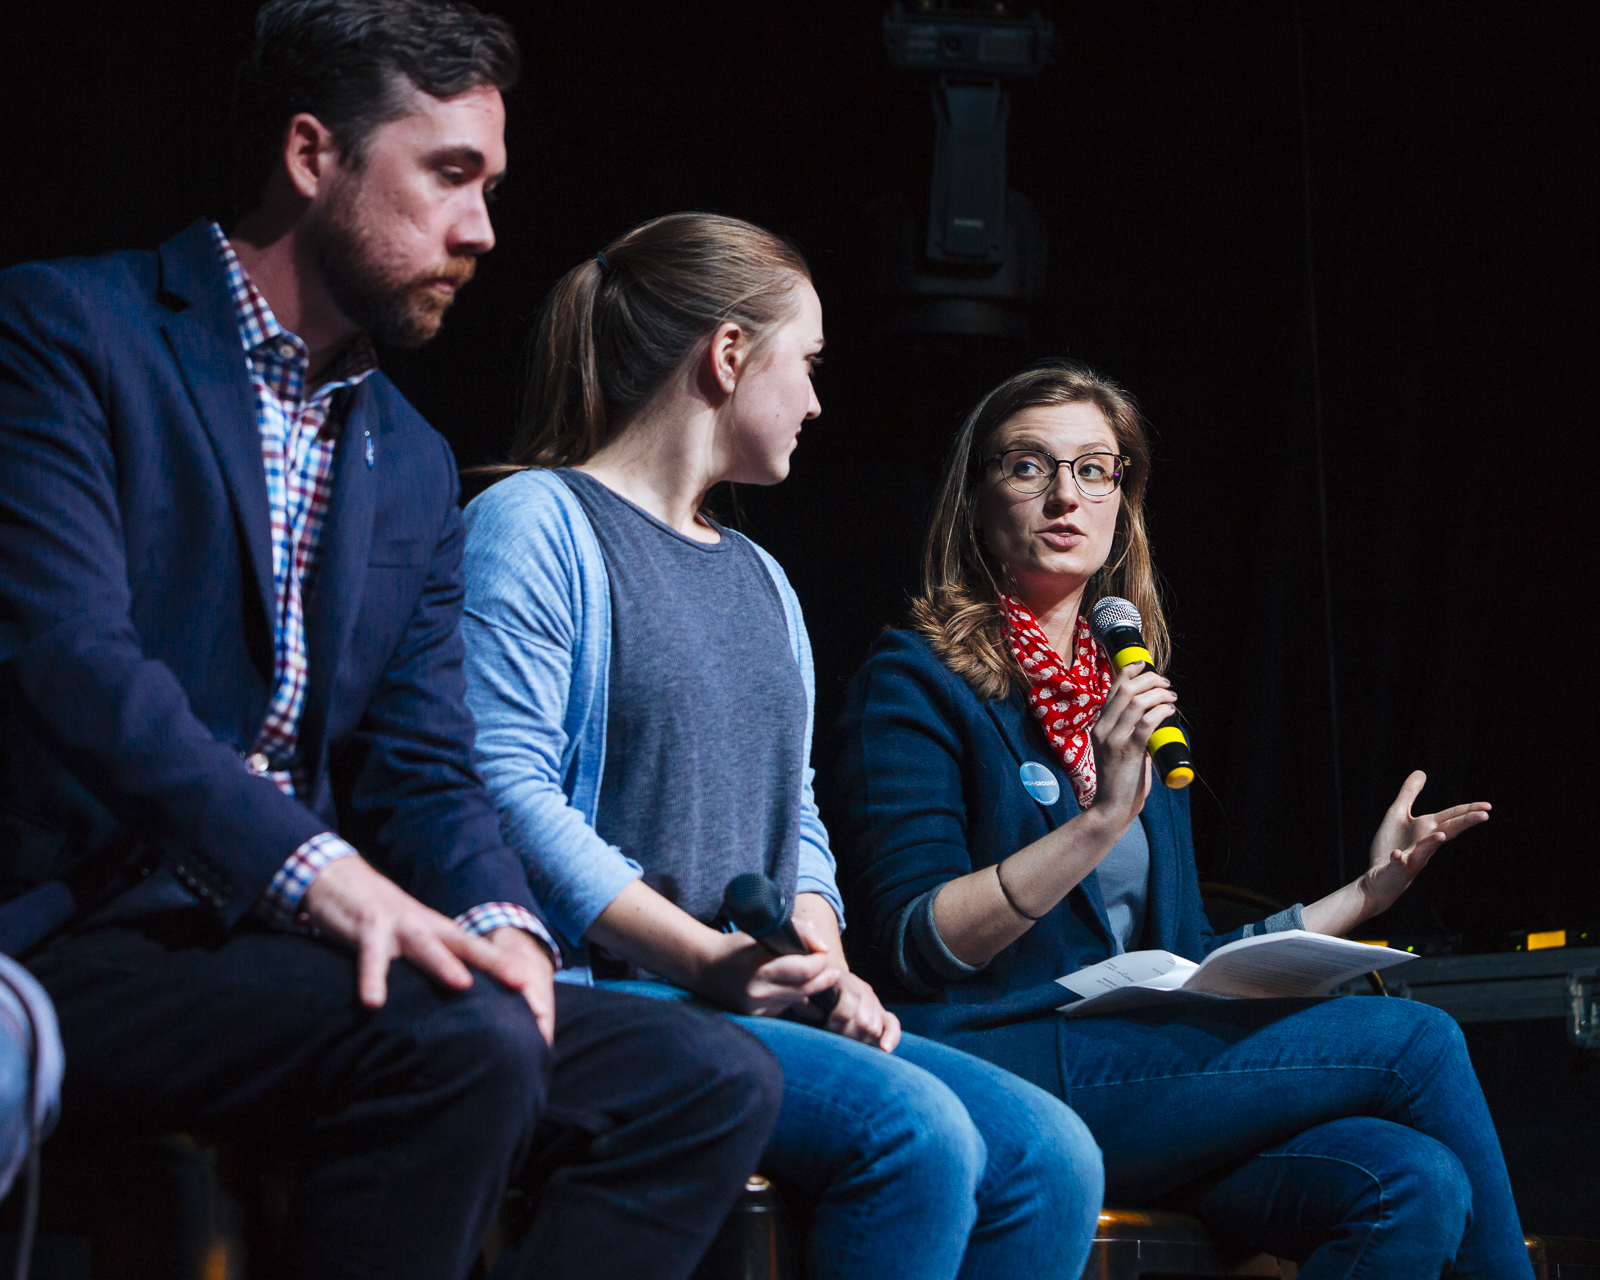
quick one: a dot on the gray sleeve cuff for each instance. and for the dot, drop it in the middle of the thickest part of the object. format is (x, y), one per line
(1279, 922)
(915, 931)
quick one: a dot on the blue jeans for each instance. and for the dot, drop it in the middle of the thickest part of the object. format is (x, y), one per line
(24, 1006)
(926, 1162)
(1350, 1135)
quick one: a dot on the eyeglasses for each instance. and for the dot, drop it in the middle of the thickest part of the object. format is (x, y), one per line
(1097, 475)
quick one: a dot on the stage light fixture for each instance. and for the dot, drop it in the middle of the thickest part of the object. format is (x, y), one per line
(975, 259)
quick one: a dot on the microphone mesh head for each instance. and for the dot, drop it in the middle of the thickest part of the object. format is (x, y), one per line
(1110, 612)
(754, 903)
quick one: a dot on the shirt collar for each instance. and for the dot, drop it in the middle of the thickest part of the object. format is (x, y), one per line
(262, 336)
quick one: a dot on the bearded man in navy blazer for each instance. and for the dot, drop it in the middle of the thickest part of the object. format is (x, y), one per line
(241, 841)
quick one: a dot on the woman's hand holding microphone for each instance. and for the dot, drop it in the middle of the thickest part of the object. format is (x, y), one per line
(1140, 699)
(798, 966)
(979, 914)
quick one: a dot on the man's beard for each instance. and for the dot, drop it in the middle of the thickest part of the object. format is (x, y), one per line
(402, 311)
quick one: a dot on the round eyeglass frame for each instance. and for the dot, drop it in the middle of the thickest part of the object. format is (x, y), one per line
(1056, 464)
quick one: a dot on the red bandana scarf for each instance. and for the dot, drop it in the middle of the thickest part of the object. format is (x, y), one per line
(1065, 699)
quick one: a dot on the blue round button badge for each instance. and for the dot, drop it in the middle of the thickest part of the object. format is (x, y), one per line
(1039, 782)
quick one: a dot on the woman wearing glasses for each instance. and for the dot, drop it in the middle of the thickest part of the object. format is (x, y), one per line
(1001, 830)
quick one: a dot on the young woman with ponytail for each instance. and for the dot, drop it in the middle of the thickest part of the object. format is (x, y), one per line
(642, 686)
(1001, 830)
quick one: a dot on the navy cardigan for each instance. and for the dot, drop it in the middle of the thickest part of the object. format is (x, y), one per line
(930, 785)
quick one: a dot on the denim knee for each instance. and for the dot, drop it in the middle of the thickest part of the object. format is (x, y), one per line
(1415, 1192)
(1062, 1177)
(14, 1069)
(1364, 1197)
(1066, 1161)
(1436, 1198)
(925, 1131)
(1419, 1036)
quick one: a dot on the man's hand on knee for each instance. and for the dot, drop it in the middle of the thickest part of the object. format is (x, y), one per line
(525, 965)
(359, 906)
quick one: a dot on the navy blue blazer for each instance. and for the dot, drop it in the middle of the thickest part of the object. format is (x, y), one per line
(930, 785)
(136, 598)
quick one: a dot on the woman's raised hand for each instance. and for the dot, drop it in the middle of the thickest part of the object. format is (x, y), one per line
(1136, 706)
(1405, 842)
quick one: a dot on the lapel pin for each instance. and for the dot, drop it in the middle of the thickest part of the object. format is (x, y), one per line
(1039, 782)
(370, 454)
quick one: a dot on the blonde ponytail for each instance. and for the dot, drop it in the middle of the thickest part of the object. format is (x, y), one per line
(614, 329)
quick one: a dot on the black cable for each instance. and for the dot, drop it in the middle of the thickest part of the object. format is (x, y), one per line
(1227, 827)
(1316, 418)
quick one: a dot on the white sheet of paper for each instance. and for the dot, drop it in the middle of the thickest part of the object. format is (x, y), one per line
(1158, 970)
(1290, 963)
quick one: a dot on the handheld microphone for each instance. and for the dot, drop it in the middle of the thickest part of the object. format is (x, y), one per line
(755, 905)
(1116, 625)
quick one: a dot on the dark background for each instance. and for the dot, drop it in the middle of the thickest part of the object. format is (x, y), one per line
(1453, 182)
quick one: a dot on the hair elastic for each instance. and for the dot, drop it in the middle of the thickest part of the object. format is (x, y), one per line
(604, 263)
(1006, 893)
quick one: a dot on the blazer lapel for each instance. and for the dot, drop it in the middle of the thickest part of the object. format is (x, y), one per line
(1016, 728)
(204, 339)
(1003, 711)
(335, 598)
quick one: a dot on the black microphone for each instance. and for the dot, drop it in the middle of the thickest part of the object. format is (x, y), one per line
(756, 906)
(1116, 625)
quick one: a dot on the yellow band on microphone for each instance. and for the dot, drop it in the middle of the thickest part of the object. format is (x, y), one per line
(1133, 653)
(1165, 734)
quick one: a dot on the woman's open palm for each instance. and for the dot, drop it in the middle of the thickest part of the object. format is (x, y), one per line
(1405, 842)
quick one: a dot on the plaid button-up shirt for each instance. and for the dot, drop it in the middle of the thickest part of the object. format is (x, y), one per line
(299, 438)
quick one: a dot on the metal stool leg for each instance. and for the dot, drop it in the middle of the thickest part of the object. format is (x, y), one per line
(755, 1242)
